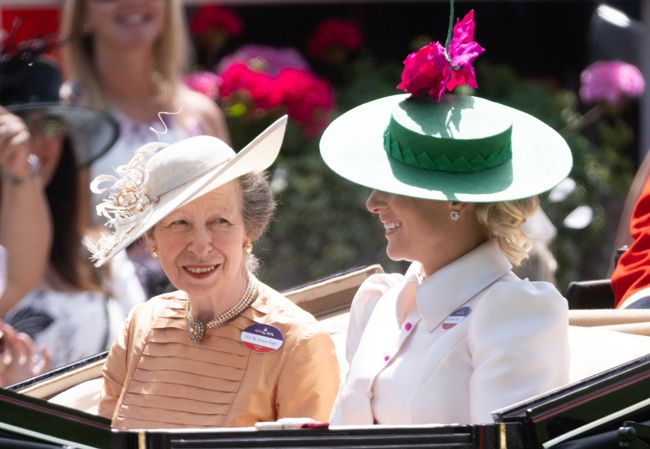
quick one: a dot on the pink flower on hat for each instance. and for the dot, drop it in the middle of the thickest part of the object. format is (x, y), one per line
(463, 50)
(610, 82)
(426, 71)
(429, 72)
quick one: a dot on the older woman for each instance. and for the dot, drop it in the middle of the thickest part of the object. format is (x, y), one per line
(225, 349)
(459, 335)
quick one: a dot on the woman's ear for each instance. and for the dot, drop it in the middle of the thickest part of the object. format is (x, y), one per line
(150, 242)
(459, 205)
(458, 209)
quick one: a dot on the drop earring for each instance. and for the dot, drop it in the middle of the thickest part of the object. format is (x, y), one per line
(154, 253)
(454, 215)
(248, 248)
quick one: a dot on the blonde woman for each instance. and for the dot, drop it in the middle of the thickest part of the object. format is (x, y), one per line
(459, 335)
(454, 178)
(128, 57)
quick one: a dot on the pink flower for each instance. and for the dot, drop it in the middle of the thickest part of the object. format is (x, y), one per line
(463, 51)
(307, 98)
(333, 35)
(265, 78)
(258, 87)
(428, 71)
(206, 83)
(210, 18)
(610, 82)
(263, 58)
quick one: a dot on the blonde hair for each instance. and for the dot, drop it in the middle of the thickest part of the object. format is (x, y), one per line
(503, 221)
(171, 52)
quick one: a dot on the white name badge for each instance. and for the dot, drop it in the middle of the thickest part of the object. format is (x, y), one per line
(456, 317)
(262, 338)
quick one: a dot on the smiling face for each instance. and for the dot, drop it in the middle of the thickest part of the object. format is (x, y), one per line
(201, 245)
(125, 22)
(422, 230)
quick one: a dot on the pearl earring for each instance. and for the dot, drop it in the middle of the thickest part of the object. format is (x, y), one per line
(454, 215)
(248, 248)
(154, 253)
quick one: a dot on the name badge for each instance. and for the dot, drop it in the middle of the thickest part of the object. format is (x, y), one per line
(456, 317)
(262, 338)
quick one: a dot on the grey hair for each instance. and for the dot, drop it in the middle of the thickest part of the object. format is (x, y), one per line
(503, 221)
(258, 206)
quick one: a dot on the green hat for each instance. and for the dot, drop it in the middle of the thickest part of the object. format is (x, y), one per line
(462, 148)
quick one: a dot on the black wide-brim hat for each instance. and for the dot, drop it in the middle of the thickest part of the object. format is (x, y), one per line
(32, 87)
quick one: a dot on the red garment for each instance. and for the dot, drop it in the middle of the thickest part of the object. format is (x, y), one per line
(632, 273)
(24, 22)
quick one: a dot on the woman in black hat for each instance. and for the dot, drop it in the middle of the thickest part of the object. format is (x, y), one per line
(25, 233)
(71, 309)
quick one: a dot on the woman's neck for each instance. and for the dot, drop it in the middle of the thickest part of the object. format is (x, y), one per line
(467, 235)
(126, 83)
(209, 308)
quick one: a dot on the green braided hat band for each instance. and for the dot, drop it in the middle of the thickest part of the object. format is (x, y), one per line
(459, 134)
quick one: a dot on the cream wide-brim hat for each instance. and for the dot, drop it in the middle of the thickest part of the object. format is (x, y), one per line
(152, 186)
(463, 148)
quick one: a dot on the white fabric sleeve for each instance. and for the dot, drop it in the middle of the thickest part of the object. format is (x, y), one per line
(363, 304)
(519, 344)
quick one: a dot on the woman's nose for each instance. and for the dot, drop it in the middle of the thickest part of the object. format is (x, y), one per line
(201, 243)
(375, 201)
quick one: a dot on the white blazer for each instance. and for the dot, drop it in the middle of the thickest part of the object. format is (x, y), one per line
(451, 348)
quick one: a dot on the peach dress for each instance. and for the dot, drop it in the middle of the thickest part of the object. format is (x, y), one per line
(155, 377)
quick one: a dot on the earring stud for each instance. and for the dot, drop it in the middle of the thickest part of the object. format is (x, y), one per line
(454, 215)
(154, 253)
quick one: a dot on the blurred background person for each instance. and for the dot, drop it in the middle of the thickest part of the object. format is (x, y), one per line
(25, 239)
(127, 57)
(72, 309)
(18, 358)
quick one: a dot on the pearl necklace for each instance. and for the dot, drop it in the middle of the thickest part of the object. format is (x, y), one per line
(196, 328)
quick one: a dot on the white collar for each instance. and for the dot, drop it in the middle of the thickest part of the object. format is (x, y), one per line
(441, 293)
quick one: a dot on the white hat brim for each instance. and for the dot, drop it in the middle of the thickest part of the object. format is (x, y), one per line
(255, 157)
(353, 146)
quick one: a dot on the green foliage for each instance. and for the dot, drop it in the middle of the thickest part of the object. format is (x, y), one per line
(322, 226)
(600, 141)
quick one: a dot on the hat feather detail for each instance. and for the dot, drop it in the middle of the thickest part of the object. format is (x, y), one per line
(126, 205)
